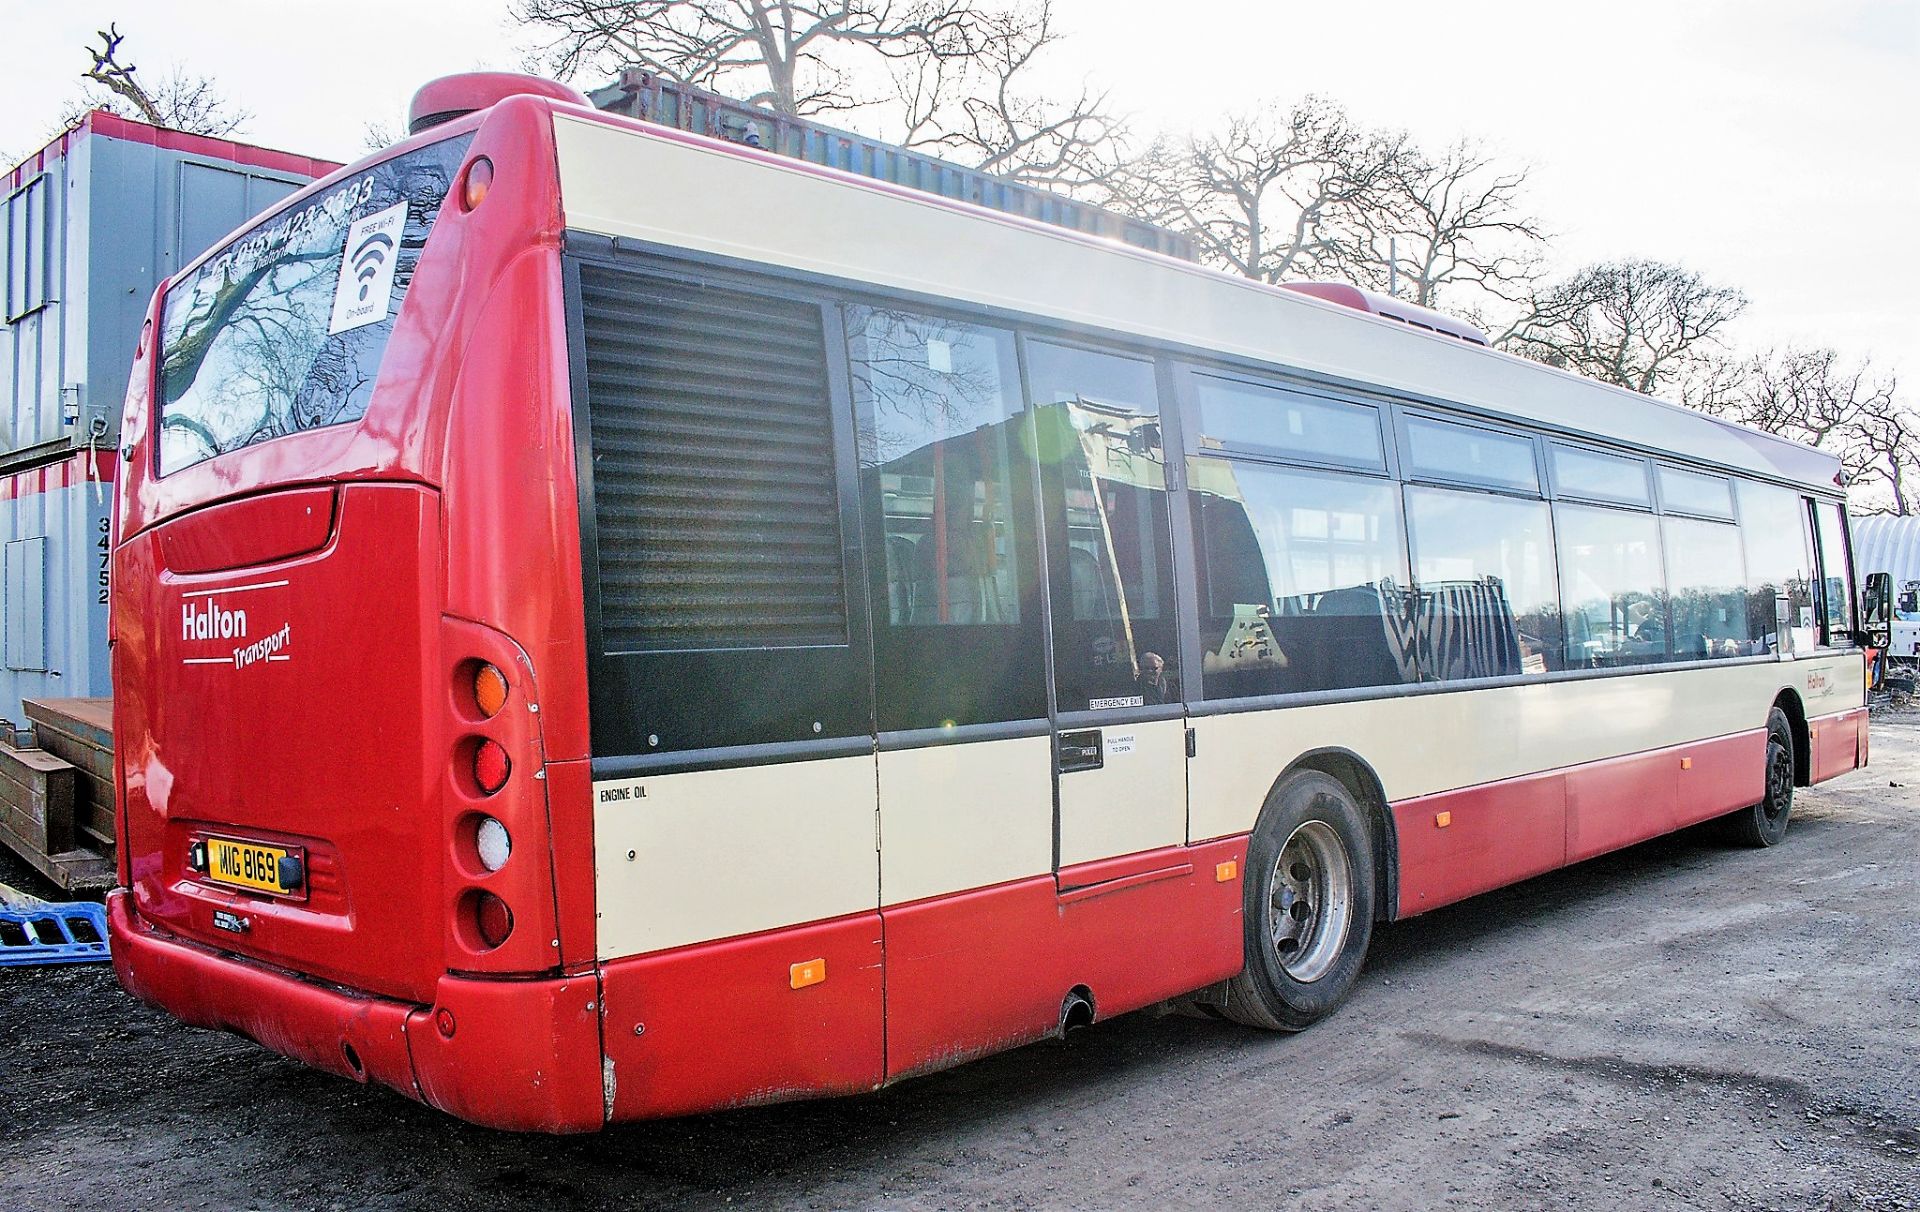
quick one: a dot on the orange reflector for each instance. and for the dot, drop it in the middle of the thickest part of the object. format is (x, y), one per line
(1442, 819)
(1226, 871)
(1686, 763)
(811, 972)
(479, 181)
(489, 690)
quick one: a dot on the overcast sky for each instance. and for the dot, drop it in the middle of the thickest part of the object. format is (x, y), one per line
(1768, 144)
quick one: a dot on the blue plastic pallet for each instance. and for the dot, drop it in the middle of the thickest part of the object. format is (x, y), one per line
(67, 933)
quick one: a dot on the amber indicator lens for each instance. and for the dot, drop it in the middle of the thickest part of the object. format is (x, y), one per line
(492, 919)
(491, 766)
(479, 181)
(489, 690)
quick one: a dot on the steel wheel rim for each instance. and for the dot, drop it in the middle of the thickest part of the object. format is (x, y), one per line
(1310, 902)
(1779, 782)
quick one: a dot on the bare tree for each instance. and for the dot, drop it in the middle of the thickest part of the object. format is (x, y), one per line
(1642, 325)
(977, 107)
(793, 56)
(1812, 396)
(947, 76)
(1454, 224)
(180, 101)
(1274, 195)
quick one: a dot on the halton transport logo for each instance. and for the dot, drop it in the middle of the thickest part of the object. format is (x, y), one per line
(224, 625)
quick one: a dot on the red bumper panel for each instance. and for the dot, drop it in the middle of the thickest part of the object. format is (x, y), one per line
(524, 1055)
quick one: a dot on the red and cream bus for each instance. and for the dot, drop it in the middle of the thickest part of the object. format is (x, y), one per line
(612, 624)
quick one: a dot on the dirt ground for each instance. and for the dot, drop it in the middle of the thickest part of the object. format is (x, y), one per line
(1680, 1025)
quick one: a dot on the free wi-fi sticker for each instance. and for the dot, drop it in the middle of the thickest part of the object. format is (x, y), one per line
(365, 289)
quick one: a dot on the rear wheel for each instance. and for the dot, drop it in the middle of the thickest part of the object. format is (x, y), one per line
(1765, 823)
(1309, 905)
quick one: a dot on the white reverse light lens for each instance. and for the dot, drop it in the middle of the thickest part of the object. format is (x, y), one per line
(491, 840)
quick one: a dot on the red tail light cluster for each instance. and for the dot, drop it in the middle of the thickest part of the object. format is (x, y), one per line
(483, 690)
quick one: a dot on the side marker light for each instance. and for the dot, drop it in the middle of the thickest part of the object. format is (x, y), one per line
(1222, 872)
(478, 183)
(1442, 819)
(809, 972)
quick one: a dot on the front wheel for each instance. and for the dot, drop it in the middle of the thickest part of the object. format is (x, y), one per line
(1765, 823)
(1310, 895)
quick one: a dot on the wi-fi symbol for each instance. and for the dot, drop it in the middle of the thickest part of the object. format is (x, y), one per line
(367, 258)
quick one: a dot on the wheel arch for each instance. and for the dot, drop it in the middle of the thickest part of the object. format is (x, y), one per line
(1357, 775)
(1788, 701)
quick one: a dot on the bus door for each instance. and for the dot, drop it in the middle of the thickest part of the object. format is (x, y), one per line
(1118, 724)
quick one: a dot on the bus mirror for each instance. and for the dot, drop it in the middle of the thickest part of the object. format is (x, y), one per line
(1876, 608)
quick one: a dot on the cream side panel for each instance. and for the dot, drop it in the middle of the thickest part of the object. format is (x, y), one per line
(621, 182)
(1136, 801)
(718, 853)
(1424, 744)
(954, 817)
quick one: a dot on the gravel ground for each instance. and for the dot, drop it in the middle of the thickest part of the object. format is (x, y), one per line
(1680, 1025)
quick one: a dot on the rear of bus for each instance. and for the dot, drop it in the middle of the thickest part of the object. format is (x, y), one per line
(350, 732)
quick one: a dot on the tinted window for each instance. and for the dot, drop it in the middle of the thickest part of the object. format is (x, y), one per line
(1097, 418)
(1836, 596)
(1707, 589)
(1303, 580)
(283, 330)
(1483, 566)
(1779, 551)
(1691, 492)
(948, 505)
(1256, 417)
(1604, 477)
(1611, 583)
(1464, 452)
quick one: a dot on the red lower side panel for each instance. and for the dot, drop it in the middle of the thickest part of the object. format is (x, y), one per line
(1458, 843)
(723, 1025)
(981, 971)
(1839, 743)
(523, 1056)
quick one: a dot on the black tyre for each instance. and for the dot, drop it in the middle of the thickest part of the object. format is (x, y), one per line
(1765, 823)
(1310, 894)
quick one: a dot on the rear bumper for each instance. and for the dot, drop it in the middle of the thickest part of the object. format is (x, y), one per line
(522, 1056)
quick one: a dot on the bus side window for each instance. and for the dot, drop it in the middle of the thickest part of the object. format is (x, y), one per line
(1483, 566)
(1303, 579)
(1611, 582)
(1097, 431)
(1706, 584)
(1779, 553)
(1836, 578)
(948, 506)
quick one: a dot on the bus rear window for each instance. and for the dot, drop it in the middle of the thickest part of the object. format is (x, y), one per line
(283, 329)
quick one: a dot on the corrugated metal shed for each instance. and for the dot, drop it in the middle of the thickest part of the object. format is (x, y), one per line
(89, 226)
(1886, 544)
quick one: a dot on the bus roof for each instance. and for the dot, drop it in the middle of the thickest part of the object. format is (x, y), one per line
(739, 203)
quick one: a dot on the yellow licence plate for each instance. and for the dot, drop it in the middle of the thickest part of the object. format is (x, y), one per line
(246, 865)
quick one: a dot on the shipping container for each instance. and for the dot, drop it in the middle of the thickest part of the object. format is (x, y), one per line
(89, 225)
(653, 98)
